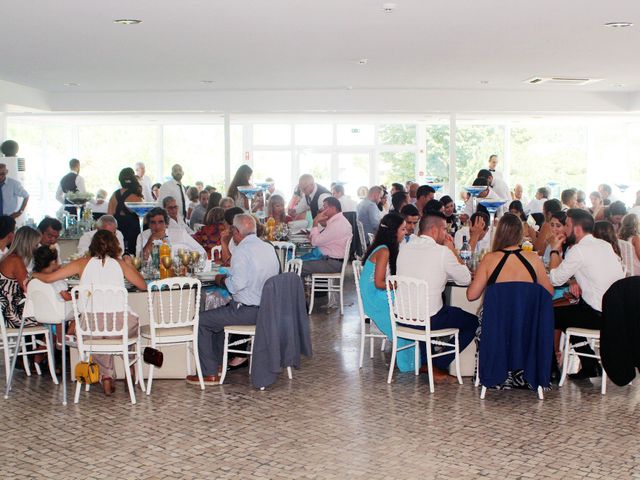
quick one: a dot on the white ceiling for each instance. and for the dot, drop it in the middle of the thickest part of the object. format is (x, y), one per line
(315, 44)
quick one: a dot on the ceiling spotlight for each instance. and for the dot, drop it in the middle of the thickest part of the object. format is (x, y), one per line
(617, 85)
(350, 87)
(207, 82)
(618, 24)
(127, 21)
(484, 82)
(388, 7)
(363, 61)
(71, 84)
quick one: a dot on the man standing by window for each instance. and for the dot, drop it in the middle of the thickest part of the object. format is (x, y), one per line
(72, 182)
(11, 190)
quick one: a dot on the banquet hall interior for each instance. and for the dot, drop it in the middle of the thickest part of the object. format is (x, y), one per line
(451, 191)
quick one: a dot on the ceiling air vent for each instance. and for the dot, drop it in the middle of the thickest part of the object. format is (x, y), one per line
(562, 81)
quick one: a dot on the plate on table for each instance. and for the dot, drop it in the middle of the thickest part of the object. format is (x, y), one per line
(206, 276)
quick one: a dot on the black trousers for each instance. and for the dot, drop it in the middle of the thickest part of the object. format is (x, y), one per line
(580, 315)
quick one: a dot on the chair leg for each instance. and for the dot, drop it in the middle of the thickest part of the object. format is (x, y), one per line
(603, 389)
(483, 392)
(50, 357)
(363, 334)
(140, 373)
(150, 379)
(289, 373)
(251, 338)
(540, 393)
(224, 358)
(76, 397)
(430, 366)
(416, 358)
(313, 294)
(340, 282)
(188, 355)
(371, 343)
(7, 360)
(392, 363)
(384, 344)
(565, 360)
(127, 374)
(477, 380)
(196, 359)
(457, 359)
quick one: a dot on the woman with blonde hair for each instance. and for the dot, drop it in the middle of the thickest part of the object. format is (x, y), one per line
(276, 210)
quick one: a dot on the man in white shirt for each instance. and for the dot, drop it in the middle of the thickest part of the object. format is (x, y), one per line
(569, 199)
(535, 205)
(595, 267)
(105, 222)
(72, 182)
(173, 188)
(175, 221)
(346, 202)
(10, 191)
(311, 195)
(477, 236)
(518, 194)
(487, 195)
(500, 187)
(432, 257)
(145, 182)
(158, 221)
(492, 164)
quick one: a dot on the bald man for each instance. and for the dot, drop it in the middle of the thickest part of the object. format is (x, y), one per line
(311, 196)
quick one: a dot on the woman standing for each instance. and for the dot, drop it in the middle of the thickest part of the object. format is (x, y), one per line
(382, 255)
(241, 178)
(128, 223)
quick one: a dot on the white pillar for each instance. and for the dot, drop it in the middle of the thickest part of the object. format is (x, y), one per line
(452, 156)
(507, 155)
(227, 149)
(3, 127)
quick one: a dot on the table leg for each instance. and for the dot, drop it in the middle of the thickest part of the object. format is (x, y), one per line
(13, 361)
(64, 362)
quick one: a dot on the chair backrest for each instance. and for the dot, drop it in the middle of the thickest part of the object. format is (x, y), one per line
(100, 311)
(356, 265)
(174, 302)
(217, 248)
(363, 241)
(283, 249)
(408, 302)
(628, 254)
(371, 237)
(345, 260)
(295, 266)
(42, 303)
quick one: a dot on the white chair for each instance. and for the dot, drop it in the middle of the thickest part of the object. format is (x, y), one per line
(295, 266)
(409, 307)
(324, 282)
(174, 316)
(247, 331)
(371, 237)
(197, 226)
(592, 338)
(363, 240)
(285, 251)
(357, 270)
(10, 347)
(98, 309)
(628, 257)
(218, 249)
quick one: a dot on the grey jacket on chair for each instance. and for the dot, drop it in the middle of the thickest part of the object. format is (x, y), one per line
(282, 329)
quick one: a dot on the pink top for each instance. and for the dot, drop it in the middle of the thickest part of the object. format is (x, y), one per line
(332, 240)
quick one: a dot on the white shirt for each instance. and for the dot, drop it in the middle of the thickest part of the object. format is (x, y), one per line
(502, 190)
(594, 264)
(79, 185)
(85, 241)
(303, 206)
(177, 237)
(11, 191)
(347, 204)
(491, 197)
(172, 189)
(145, 182)
(181, 224)
(424, 259)
(484, 244)
(534, 206)
(99, 207)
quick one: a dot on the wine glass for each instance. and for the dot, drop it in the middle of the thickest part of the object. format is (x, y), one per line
(195, 258)
(167, 263)
(136, 262)
(185, 259)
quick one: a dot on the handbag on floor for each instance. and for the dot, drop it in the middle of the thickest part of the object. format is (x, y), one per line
(88, 372)
(153, 356)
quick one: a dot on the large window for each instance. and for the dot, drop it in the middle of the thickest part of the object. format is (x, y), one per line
(353, 171)
(317, 164)
(275, 165)
(474, 145)
(437, 150)
(396, 167)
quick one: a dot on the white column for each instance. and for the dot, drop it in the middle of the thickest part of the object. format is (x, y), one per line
(421, 151)
(507, 155)
(227, 149)
(452, 156)
(3, 127)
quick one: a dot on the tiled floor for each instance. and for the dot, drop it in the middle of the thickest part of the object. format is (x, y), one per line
(331, 421)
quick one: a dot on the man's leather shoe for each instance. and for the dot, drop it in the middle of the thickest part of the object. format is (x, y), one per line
(208, 380)
(585, 373)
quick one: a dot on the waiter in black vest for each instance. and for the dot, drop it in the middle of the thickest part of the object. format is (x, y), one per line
(71, 182)
(311, 196)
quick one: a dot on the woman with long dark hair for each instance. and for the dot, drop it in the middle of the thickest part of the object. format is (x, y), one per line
(240, 179)
(128, 223)
(605, 230)
(517, 209)
(380, 257)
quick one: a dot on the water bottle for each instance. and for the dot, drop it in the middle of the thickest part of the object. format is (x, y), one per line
(465, 251)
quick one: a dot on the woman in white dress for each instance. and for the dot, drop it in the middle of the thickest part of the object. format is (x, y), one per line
(104, 267)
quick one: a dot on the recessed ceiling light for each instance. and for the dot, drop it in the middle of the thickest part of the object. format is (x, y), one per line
(207, 82)
(484, 82)
(127, 21)
(618, 24)
(363, 61)
(617, 85)
(349, 87)
(388, 7)
(71, 84)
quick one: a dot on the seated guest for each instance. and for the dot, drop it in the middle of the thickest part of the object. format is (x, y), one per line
(597, 207)
(581, 199)
(398, 200)
(424, 194)
(568, 198)
(227, 202)
(103, 266)
(383, 204)
(100, 206)
(192, 196)
(50, 229)
(412, 188)
(7, 230)
(606, 194)
(368, 212)
(252, 264)
(434, 205)
(476, 234)
(226, 239)
(508, 263)
(518, 194)
(595, 267)
(614, 214)
(629, 231)
(210, 235)
(396, 187)
(13, 275)
(544, 234)
(516, 209)
(346, 202)
(200, 210)
(411, 218)
(535, 205)
(105, 222)
(331, 240)
(158, 220)
(450, 213)
(603, 230)
(380, 256)
(170, 205)
(556, 227)
(155, 190)
(432, 257)
(214, 199)
(276, 209)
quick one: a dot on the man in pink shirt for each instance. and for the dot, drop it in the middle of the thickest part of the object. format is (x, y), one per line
(331, 239)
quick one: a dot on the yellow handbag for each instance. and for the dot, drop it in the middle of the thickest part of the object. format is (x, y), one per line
(87, 372)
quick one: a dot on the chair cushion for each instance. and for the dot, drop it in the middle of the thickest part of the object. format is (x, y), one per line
(145, 331)
(108, 341)
(36, 330)
(241, 329)
(408, 332)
